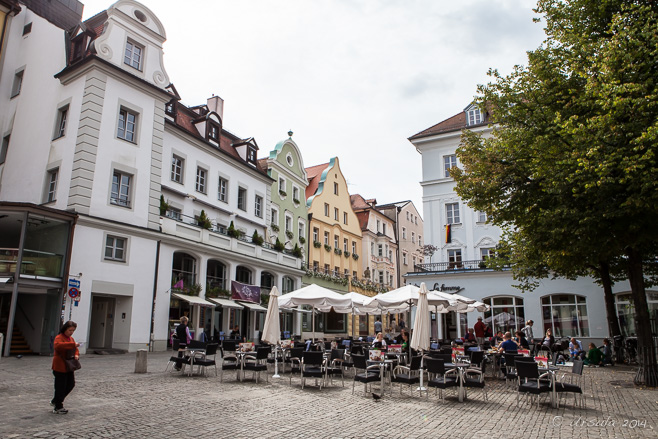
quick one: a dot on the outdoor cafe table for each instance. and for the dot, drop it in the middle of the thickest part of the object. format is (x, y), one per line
(192, 353)
(461, 367)
(551, 373)
(384, 370)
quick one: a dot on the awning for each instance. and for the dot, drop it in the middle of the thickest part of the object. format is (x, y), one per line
(194, 300)
(253, 306)
(4, 280)
(226, 303)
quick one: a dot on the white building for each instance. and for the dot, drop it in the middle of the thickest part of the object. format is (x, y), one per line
(568, 307)
(93, 132)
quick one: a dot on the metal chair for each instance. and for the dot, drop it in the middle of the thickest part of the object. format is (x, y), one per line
(229, 358)
(409, 375)
(370, 374)
(439, 378)
(335, 365)
(204, 360)
(257, 362)
(575, 384)
(313, 366)
(530, 381)
(295, 361)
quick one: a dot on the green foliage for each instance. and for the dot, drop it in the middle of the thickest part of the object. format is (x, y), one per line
(232, 231)
(302, 240)
(278, 245)
(297, 251)
(327, 247)
(164, 206)
(203, 220)
(317, 244)
(274, 227)
(289, 234)
(338, 251)
(256, 238)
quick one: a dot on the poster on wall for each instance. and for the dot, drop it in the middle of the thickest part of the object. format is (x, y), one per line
(244, 292)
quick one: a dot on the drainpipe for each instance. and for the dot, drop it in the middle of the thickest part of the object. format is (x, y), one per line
(14, 293)
(155, 290)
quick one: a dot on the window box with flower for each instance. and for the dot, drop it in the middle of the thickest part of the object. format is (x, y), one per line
(317, 244)
(327, 247)
(338, 251)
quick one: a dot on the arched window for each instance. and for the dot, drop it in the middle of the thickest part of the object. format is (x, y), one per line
(183, 268)
(243, 275)
(266, 280)
(288, 284)
(216, 275)
(626, 311)
(506, 313)
(566, 315)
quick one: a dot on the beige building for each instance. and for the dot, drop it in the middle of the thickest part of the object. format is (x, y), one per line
(379, 248)
(334, 229)
(409, 233)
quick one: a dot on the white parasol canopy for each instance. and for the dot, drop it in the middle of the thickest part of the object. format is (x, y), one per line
(272, 330)
(408, 295)
(420, 339)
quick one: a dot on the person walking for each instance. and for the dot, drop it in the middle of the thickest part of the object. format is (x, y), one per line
(378, 326)
(479, 328)
(64, 379)
(184, 337)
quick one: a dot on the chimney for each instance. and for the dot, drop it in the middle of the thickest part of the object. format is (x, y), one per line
(216, 104)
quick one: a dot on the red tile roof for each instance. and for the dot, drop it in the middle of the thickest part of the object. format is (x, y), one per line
(363, 216)
(314, 173)
(454, 123)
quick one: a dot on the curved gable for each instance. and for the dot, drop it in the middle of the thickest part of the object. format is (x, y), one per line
(280, 155)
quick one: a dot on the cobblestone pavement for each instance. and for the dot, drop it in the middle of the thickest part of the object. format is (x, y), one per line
(110, 401)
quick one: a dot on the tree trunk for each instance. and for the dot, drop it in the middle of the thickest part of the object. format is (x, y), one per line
(648, 373)
(610, 309)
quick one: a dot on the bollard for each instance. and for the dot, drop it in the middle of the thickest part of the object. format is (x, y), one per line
(140, 361)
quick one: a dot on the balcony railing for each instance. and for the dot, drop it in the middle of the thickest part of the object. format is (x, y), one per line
(343, 278)
(434, 267)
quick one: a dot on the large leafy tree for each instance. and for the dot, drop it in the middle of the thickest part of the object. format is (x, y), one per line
(571, 169)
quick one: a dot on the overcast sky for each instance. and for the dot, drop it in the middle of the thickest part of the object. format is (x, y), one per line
(351, 78)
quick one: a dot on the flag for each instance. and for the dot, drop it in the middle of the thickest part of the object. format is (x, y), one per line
(179, 284)
(448, 234)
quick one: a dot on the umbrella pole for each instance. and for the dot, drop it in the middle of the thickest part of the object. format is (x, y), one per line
(276, 363)
(313, 322)
(421, 388)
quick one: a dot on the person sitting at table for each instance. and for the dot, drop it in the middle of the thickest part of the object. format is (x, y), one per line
(469, 337)
(400, 338)
(607, 352)
(594, 356)
(508, 344)
(406, 343)
(576, 351)
(521, 340)
(379, 342)
(548, 339)
(497, 339)
(235, 333)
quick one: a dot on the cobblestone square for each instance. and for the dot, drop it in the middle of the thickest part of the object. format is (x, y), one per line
(111, 401)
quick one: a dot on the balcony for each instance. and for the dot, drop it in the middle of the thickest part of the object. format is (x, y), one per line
(453, 267)
(187, 227)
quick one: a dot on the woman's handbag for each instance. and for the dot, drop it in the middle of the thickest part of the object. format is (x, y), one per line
(71, 363)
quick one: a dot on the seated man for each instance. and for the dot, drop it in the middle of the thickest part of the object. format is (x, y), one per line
(508, 345)
(594, 356)
(607, 352)
(576, 351)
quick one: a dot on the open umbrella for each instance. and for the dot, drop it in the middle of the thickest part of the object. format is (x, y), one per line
(272, 331)
(420, 339)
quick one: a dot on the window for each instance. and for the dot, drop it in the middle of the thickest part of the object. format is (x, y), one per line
(326, 209)
(345, 245)
(120, 194)
(288, 284)
(474, 116)
(251, 155)
(133, 55)
(301, 230)
(413, 261)
(506, 313)
(407, 215)
(449, 161)
(52, 185)
(126, 129)
(390, 255)
(18, 84)
(62, 115)
(316, 234)
(222, 190)
(174, 214)
(326, 238)
(486, 253)
(455, 258)
(177, 169)
(482, 217)
(335, 241)
(404, 258)
(213, 131)
(115, 248)
(27, 28)
(242, 198)
(353, 247)
(288, 223)
(282, 186)
(295, 194)
(335, 188)
(258, 206)
(275, 216)
(413, 237)
(566, 315)
(379, 226)
(336, 213)
(344, 217)
(416, 220)
(384, 228)
(420, 240)
(201, 180)
(4, 148)
(404, 233)
(452, 213)
(626, 311)
(336, 271)
(381, 277)
(327, 269)
(347, 272)
(380, 250)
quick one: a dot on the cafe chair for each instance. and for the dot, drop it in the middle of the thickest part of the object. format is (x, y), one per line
(313, 366)
(439, 378)
(204, 359)
(529, 380)
(572, 384)
(370, 374)
(409, 375)
(175, 359)
(229, 358)
(474, 378)
(294, 360)
(335, 365)
(257, 362)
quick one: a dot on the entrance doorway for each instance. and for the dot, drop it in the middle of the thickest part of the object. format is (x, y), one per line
(101, 328)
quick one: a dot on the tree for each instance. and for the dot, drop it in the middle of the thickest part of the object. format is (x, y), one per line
(428, 250)
(571, 171)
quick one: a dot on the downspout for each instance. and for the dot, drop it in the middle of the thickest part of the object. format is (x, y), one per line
(155, 290)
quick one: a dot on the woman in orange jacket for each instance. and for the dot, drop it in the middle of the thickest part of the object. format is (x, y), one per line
(64, 380)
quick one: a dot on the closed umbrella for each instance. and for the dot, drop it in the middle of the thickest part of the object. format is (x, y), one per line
(272, 331)
(420, 339)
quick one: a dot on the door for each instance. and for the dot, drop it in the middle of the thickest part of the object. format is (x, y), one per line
(101, 327)
(51, 320)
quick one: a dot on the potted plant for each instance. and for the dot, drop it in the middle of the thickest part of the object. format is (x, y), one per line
(302, 240)
(289, 234)
(194, 290)
(232, 231)
(338, 251)
(204, 221)
(355, 256)
(297, 252)
(274, 227)
(164, 206)
(278, 245)
(347, 254)
(256, 238)
(317, 244)
(327, 247)
(282, 193)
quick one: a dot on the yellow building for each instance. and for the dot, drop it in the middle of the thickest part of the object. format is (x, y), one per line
(334, 229)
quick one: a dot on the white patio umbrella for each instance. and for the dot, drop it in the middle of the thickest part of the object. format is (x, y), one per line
(272, 330)
(408, 295)
(420, 339)
(315, 296)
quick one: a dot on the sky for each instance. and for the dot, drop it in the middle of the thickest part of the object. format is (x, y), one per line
(352, 79)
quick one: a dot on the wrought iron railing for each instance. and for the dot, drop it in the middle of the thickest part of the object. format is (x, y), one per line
(453, 266)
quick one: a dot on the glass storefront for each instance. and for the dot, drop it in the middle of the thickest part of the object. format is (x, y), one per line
(566, 315)
(506, 313)
(626, 309)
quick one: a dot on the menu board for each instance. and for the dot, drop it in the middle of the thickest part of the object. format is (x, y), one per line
(457, 352)
(542, 362)
(246, 347)
(524, 352)
(375, 355)
(286, 344)
(395, 349)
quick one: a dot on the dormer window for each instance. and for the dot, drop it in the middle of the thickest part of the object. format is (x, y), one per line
(251, 155)
(474, 116)
(213, 132)
(170, 108)
(133, 55)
